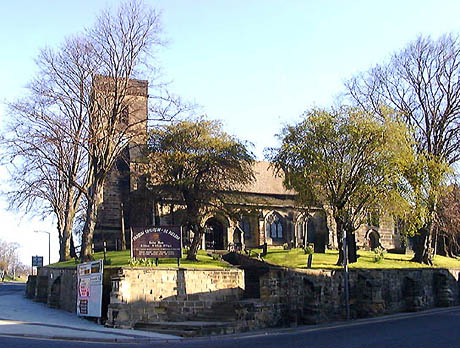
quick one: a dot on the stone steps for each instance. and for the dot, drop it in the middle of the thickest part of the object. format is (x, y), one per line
(189, 328)
(217, 320)
(222, 312)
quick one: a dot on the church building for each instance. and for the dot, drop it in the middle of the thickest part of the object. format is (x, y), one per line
(266, 212)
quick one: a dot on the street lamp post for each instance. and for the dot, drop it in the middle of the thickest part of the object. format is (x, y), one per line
(49, 244)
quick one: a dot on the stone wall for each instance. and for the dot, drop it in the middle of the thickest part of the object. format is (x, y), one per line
(141, 295)
(57, 287)
(286, 297)
(290, 297)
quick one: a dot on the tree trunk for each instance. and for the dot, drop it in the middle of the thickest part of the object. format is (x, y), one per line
(441, 245)
(72, 204)
(198, 233)
(449, 245)
(422, 247)
(73, 252)
(351, 247)
(193, 220)
(94, 201)
(351, 244)
(64, 250)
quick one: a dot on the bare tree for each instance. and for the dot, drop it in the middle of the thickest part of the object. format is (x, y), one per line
(9, 259)
(447, 224)
(44, 137)
(65, 136)
(123, 43)
(422, 83)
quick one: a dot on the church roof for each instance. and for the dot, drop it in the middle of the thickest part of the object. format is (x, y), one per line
(267, 181)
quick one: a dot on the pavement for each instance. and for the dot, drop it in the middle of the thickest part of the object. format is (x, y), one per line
(23, 317)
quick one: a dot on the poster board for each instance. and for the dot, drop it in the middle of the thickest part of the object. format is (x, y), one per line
(156, 242)
(90, 276)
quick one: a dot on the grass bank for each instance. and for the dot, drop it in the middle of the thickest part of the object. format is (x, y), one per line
(122, 258)
(296, 258)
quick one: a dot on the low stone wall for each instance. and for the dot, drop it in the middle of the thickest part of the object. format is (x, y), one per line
(141, 295)
(298, 296)
(31, 286)
(286, 297)
(57, 287)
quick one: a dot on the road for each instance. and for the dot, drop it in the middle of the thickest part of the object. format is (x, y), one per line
(10, 288)
(430, 329)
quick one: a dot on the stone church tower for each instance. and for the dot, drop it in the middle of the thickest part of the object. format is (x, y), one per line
(113, 214)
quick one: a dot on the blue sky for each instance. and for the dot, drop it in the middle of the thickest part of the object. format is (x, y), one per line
(256, 65)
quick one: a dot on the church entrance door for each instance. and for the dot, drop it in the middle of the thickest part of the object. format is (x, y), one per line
(214, 234)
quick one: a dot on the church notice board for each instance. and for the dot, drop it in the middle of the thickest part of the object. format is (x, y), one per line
(90, 277)
(156, 242)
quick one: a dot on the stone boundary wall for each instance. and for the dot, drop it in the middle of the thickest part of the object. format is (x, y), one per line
(298, 296)
(141, 295)
(137, 296)
(57, 287)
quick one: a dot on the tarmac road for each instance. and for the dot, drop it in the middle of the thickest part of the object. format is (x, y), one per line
(431, 329)
(11, 288)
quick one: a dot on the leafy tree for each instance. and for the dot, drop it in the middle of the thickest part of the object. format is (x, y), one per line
(343, 160)
(425, 179)
(199, 163)
(421, 83)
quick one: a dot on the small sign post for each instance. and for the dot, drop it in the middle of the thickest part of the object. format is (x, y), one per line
(157, 242)
(37, 261)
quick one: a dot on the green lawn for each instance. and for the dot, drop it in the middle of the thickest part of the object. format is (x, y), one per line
(296, 258)
(121, 259)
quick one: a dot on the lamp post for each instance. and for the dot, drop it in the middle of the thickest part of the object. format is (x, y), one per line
(49, 244)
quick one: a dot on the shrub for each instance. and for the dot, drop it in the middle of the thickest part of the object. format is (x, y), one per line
(308, 250)
(145, 262)
(379, 254)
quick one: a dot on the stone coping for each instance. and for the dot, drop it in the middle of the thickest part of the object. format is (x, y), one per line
(266, 264)
(230, 268)
(178, 269)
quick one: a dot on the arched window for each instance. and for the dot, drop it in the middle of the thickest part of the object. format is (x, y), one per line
(275, 226)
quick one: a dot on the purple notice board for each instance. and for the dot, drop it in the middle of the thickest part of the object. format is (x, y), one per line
(156, 242)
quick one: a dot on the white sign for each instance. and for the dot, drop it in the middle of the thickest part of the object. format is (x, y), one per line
(90, 277)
